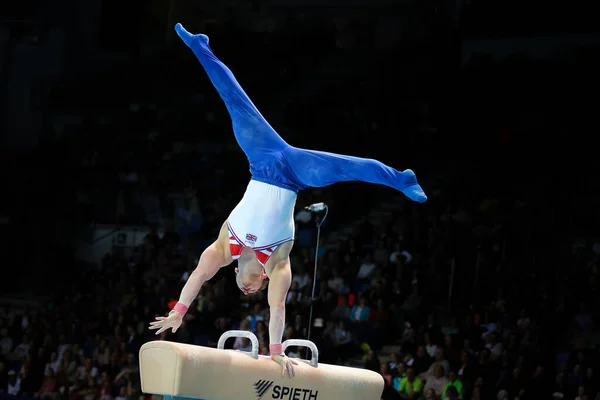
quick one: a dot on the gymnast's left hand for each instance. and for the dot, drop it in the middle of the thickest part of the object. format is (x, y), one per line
(286, 364)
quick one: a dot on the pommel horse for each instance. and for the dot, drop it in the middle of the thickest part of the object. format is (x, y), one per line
(197, 372)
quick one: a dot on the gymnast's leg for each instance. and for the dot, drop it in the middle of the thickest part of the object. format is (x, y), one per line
(318, 169)
(252, 132)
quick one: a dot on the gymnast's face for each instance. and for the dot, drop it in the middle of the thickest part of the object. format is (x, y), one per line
(249, 275)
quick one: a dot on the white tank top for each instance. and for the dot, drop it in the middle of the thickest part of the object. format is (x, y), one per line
(262, 220)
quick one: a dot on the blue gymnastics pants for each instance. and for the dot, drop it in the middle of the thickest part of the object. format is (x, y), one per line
(274, 161)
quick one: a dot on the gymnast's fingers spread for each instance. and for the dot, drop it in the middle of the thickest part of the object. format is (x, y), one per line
(291, 372)
(161, 318)
(161, 330)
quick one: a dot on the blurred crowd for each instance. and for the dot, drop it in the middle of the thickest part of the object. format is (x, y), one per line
(526, 338)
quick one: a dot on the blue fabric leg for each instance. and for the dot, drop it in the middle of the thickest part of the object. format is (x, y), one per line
(317, 169)
(272, 157)
(253, 133)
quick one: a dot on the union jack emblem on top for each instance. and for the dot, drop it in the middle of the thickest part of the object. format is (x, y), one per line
(250, 237)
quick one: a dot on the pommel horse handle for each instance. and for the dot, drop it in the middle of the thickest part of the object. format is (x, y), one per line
(244, 334)
(314, 352)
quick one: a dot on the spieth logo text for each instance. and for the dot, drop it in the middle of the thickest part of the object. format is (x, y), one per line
(262, 387)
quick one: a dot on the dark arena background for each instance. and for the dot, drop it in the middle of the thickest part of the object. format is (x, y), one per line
(119, 165)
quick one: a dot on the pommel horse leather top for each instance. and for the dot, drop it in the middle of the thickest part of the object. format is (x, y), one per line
(182, 370)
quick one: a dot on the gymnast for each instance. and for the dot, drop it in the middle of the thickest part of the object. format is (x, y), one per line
(259, 232)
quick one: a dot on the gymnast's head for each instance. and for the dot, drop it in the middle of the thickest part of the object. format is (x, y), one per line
(250, 275)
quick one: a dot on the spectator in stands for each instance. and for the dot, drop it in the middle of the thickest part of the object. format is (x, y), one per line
(575, 378)
(361, 311)
(387, 376)
(14, 383)
(466, 371)
(400, 375)
(52, 364)
(6, 342)
(366, 270)
(50, 385)
(437, 382)
(133, 340)
(294, 294)
(106, 390)
(246, 345)
(342, 341)
(261, 331)
(409, 340)
(439, 360)
(341, 311)
(86, 369)
(429, 394)
(22, 349)
(101, 355)
(256, 316)
(494, 345)
(336, 283)
(372, 362)
(394, 360)
(452, 394)
(289, 333)
(302, 279)
(412, 386)
(244, 326)
(263, 348)
(452, 352)
(430, 347)
(28, 384)
(422, 361)
(455, 383)
(478, 392)
(324, 299)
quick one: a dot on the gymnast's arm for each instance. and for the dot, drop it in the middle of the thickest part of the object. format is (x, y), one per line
(280, 281)
(212, 259)
(217, 255)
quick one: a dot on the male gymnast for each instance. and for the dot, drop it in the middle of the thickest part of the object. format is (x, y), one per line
(259, 232)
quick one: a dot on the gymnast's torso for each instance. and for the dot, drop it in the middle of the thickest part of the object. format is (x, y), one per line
(262, 220)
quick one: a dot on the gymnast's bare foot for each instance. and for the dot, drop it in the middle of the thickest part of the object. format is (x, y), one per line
(189, 38)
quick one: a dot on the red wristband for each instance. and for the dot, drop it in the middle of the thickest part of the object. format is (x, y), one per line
(180, 308)
(276, 348)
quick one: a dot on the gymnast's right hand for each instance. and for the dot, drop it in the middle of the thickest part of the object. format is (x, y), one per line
(287, 364)
(173, 321)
